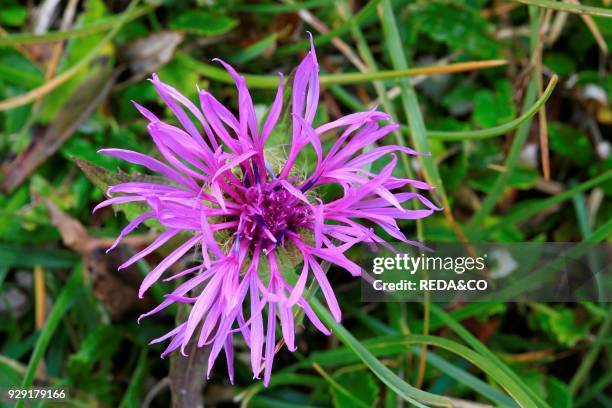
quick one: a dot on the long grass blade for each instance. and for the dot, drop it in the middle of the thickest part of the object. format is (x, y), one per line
(533, 209)
(61, 305)
(569, 7)
(86, 30)
(388, 377)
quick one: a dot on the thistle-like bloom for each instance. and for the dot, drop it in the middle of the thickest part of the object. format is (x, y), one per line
(225, 196)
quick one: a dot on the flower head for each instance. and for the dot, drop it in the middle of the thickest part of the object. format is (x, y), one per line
(223, 194)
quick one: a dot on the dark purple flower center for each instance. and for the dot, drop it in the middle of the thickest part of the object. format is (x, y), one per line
(269, 211)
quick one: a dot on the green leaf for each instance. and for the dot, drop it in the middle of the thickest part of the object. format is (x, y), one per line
(18, 70)
(532, 207)
(558, 394)
(359, 384)
(179, 75)
(485, 113)
(458, 26)
(99, 345)
(560, 324)
(570, 143)
(10, 372)
(203, 22)
(358, 19)
(501, 376)
(410, 101)
(480, 348)
(560, 63)
(13, 16)
(493, 108)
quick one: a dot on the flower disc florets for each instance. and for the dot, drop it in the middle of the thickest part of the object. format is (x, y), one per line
(270, 212)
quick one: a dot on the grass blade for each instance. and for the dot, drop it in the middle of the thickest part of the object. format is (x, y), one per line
(541, 205)
(569, 7)
(495, 194)
(12, 255)
(61, 305)
(588, 361)
(388, 377)
(90, 29)
(497, 130)
(271, 81)
(473, 342)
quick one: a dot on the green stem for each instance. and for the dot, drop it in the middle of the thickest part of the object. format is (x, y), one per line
(381, 91)
(497, 130)
(90, 29)
(409, 99)
(280, 8)
(569, 7)
(495, 194)
(271, 81)
(588, 361)
(594, 389)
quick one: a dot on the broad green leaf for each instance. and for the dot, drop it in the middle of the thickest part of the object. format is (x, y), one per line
(458, 26)
(560, 324)
(18, 70)
(494, 107)
(359, 384)
(570, 143)
(13, 16)
(202, 22)
(559, 63)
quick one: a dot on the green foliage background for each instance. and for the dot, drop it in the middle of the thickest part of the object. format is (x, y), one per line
(485, 164)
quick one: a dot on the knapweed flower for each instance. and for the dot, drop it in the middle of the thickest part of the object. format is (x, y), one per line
(225, 196)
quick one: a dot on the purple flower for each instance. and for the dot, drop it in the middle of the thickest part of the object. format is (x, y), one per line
(224, 194)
